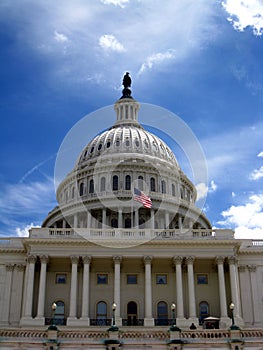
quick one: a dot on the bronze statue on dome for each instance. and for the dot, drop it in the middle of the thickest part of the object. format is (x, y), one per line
(126, 82)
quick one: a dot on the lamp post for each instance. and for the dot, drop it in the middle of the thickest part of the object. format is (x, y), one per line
(233, 326)
(53, 326)
(54, 308)
(173, 327)
(113, 327)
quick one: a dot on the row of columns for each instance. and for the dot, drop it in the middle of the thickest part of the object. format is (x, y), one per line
(177, 260)
(91, 222)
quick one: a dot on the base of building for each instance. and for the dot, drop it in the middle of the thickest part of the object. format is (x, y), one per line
(27, 321)
(149, 322)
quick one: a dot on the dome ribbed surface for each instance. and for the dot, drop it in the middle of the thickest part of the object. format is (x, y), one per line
(126, 139)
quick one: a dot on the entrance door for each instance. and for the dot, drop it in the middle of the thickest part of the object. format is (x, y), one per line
(132, 314)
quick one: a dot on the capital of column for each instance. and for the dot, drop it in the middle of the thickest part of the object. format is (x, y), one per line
(20, 267)
(117, 259)
(252, 268)
(147, 260)
(177, 260)
(242, 268)
(9, 267)
(219, 260)
(31, 259)
(43, 258)
(74, 259)
(232, 260)
(86, 259)
(190, 260)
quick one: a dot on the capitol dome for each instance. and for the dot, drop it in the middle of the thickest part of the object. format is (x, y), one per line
(99, 192)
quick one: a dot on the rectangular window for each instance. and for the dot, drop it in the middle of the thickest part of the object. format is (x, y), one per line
(131, 279)
(161, 279)
(102, 279)
(202, 279)
(61, 278)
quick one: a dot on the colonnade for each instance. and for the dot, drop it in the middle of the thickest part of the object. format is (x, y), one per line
(148, 302)
(86, 220)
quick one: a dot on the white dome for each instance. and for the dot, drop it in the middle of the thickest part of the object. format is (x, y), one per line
(126, 139)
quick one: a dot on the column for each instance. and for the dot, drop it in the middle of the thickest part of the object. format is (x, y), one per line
(120, 225)
(191, 286)
(180, 222)
(88, 219)
(167, 220)
(152, 219)
(85, 289)
(222, 286)
(136, 218)
(148, 319)
(73, 290)
(255, 297)
(179, 286)
(104, 218)
(234, 284)
(42, 288)
(75, 224)
(7, 294)
(30, 285)
(117, 288)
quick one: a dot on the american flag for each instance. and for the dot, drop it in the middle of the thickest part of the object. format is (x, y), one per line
(139, 196)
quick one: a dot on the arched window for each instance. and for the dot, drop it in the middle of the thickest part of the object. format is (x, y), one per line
(153, 188)
(162, 313)
(114, 223)
(81, 189)
(132, 313)
(203, 311)
(91, 186)
(173, 190)
(59, 313)
(127, 182)
(163, 185)
(115, 183)
(140, 183)
(102, 184)
(101, 313)
(127, 223)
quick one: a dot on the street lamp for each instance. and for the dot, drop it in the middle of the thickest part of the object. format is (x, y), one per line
(114, 306)
(173, 307)
(53, 325)
(233, 326)
(173, 327)
(113, 327)
(54, 308)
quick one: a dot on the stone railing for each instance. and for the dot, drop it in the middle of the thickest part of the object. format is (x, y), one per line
(126, 333)
(128, 234)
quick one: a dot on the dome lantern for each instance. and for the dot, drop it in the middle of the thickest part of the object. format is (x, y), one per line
(126, 107)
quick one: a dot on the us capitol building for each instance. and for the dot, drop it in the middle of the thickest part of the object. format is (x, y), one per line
(127, 260)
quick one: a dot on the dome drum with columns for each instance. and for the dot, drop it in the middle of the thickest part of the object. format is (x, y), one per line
(108, 169)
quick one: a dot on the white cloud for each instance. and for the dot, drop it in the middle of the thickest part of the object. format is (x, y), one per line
(202, 189)
(23, 202)
(245, 13)
(246, 219)
(256, 174)
(109, 42)
(260, 154)
(233, 194)
(120, 3)
(155, 59)
(59, 37)
(24, 232)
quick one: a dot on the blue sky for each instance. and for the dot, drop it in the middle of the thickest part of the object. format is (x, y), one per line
(201, 60)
